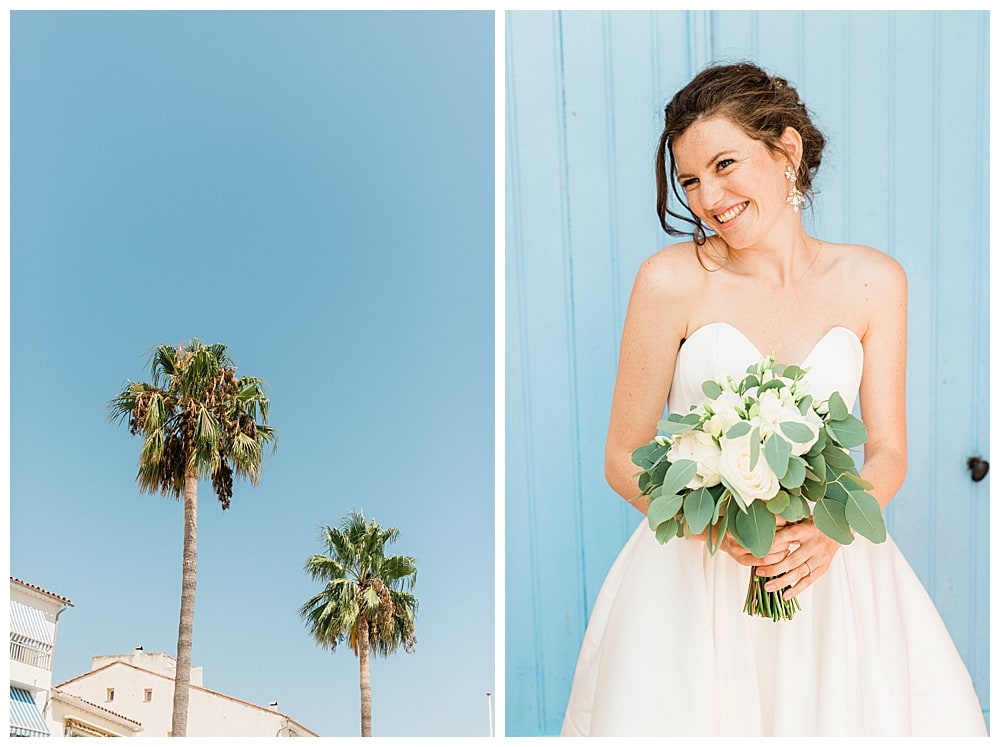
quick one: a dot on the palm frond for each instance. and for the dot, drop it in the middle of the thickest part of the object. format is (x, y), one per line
(201, 415)
(362, 588)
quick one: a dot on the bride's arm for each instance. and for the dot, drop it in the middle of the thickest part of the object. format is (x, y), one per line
(653, 330)
(883, 382)
(883, 410)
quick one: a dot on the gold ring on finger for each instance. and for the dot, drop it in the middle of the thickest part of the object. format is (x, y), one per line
(809, 567)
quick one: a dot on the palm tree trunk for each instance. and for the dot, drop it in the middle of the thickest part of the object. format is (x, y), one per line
(185, 629)
(366, 680)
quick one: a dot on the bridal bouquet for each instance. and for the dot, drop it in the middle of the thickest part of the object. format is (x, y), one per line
(752, 450)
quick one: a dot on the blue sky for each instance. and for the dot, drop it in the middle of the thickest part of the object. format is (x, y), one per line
(315, 190)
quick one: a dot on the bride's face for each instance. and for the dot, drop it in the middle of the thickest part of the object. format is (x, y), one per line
(732, 182)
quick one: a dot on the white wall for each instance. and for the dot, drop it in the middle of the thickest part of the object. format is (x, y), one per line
(210, 714)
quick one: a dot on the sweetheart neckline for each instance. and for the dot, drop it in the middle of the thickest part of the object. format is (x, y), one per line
(750, 342)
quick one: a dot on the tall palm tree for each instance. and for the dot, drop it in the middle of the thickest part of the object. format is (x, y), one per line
(365, 598)
(198, 420)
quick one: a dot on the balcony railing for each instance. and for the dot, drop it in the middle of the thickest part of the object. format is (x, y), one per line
(32, 653)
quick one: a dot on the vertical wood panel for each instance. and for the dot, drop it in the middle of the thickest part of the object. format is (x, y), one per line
(900, 97)
(591, 155)
(975, 37)
(912, 223)
(537, 271)
(646, 61)
(957, 389)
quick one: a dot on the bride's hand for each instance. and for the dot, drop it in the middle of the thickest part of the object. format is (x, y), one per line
(744, 557)
(801, 552)
(778, 551)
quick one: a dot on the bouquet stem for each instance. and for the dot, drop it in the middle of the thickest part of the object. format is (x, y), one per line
(762, 603)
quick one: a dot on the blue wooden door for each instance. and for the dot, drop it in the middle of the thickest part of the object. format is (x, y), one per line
(903, 99)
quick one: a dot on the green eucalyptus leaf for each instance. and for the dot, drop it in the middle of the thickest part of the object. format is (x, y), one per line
(817, 448)
(678, 475)
(737, 500)
(674, 427)
(643, 455)
(795, 475)
(666, 531)
(829, 517)
(814, 490)
(849, 432)
(748, 382)
(772, 384)
(779, 503)
(864, 515)
(796, 510)
(754, 447)
(663, 509)
(683, 530)
(716, 533)
(805, 403)
(818, 466)
(793, 372)
(699, 506)
(721, 504)
(836, 492)
(658, 470)
(777, 451)
(755, 529)
(837, 457)
(739, 429)
(711, 389)
(717, 491)
(859, 481)
(797, 432)
(838, 410)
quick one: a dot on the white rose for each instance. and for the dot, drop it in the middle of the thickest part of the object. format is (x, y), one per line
(757, 484)
(727, 407)
(811, 420)
(702, 450)
(769, 410)
(775, 409)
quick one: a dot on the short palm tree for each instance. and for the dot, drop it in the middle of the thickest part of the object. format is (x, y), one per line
(365, 598)
(198, 420)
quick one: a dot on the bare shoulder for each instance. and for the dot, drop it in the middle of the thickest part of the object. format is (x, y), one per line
(666, 287)
(873, 284)
(867, 262)
(673, 271)
(869, 274)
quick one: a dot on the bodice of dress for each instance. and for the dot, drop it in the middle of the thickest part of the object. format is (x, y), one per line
(834, 363)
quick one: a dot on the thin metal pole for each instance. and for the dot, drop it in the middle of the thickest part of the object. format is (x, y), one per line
(489, 709)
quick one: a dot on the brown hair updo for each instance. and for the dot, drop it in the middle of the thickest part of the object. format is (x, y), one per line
(759, 104)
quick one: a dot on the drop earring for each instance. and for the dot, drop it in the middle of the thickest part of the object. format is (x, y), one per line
(795, 197)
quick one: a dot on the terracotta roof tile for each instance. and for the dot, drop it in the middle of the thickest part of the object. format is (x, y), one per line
(41, 590)
(100, 708)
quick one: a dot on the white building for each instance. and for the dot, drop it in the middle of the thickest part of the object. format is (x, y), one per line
(77, 717)
(34, 620)
(37, 709)
(140, 685)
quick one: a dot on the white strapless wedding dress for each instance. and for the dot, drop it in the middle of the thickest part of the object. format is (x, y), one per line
(670, 652)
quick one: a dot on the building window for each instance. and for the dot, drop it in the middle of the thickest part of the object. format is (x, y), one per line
(111, 694)
(147, 695)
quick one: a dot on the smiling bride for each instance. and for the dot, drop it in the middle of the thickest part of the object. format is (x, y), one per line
(669, 650)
